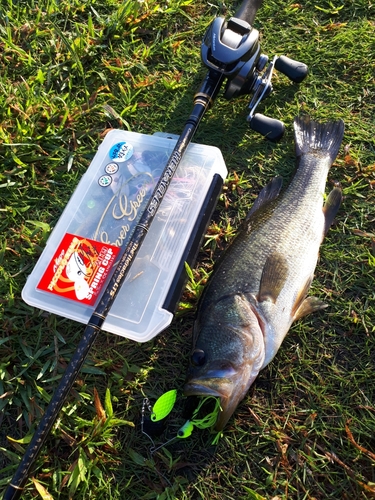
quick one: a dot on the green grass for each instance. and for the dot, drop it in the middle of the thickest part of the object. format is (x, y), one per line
(68, 72)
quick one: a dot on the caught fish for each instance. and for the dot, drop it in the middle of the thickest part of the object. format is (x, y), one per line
(260, 286)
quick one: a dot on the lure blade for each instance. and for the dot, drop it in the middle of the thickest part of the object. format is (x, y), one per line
(164, 405)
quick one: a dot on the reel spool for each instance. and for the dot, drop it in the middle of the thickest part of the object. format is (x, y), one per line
(232, 49)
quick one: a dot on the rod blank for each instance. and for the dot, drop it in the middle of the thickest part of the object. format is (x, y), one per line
(202, 101)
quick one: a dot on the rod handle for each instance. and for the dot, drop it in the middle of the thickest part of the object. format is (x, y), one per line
(247, 10)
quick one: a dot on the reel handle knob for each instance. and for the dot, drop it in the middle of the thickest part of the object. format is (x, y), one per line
(294, 70)
(247, 10)
(270, 128)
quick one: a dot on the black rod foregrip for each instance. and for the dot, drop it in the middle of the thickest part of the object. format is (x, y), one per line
(202, 102)
(247, 10)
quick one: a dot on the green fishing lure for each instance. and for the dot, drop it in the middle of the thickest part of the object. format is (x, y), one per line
(165, 404)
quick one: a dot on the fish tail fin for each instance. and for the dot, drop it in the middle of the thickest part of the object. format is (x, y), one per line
(314, 137)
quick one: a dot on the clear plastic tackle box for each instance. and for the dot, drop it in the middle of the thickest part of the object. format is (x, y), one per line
(86, 243)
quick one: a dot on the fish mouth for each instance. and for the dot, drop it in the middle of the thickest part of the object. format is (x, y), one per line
(193, 388)
(228, 403)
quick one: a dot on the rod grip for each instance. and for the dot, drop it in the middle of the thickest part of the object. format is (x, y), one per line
(247, 10)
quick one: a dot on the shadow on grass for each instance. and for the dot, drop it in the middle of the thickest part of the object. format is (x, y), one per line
(225, 124)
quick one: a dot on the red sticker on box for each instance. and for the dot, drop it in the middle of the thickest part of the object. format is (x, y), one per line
(79, 269)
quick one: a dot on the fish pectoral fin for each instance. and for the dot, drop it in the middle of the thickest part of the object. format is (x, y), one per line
(268, 193)
(273, 278)
(309, 305)
(332, 206)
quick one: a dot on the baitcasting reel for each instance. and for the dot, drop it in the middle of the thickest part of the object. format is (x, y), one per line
(232, 49)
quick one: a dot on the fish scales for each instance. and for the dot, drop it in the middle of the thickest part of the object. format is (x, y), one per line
(259, 287)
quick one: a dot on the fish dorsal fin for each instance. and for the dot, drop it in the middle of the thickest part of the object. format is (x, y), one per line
(268, 193)
(273, 278)
(332, 206)
(309, 305)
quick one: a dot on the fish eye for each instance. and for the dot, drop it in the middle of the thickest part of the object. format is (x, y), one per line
(198, 357)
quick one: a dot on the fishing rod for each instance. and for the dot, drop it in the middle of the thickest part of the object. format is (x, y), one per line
(230, 51)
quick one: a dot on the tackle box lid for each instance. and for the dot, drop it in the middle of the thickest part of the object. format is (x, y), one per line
(98, 221)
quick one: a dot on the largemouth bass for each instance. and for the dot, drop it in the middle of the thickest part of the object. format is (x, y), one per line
(260, 286)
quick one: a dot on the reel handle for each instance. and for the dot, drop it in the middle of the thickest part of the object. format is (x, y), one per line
(294, 70)
(247, 10)
(270, 128)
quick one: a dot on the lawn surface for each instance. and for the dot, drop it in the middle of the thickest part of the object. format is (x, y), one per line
(69, 72)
